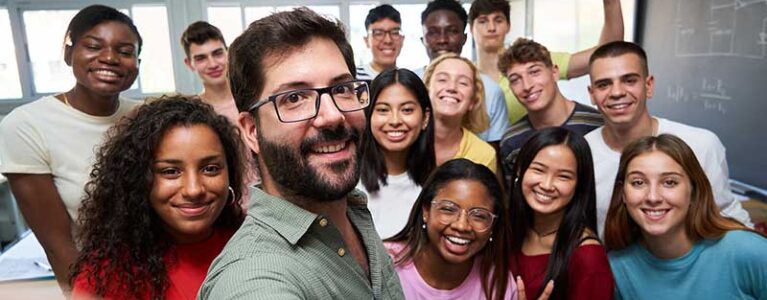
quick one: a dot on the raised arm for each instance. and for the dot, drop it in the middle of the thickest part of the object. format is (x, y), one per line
(611, 31)
(45, 213)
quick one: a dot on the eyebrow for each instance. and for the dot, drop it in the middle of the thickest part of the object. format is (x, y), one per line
(174, 161)
(100, 40)
(303, 84)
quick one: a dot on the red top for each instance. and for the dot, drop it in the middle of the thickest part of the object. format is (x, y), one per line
(185, 273)
(589, 275)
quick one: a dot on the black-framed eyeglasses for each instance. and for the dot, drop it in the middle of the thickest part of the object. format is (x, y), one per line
(379, 34)
(303, 104)
(447, 212)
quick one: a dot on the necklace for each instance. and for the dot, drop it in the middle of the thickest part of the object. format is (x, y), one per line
(66, 101)
(542, 235)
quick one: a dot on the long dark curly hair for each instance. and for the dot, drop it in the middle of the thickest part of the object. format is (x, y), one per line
(123, 239)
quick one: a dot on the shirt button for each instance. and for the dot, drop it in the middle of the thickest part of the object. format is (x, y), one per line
(341, 252)
(323, 222)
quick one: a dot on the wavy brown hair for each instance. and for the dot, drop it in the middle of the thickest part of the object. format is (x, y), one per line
(476, 120)
(703, 218)
(123, 239)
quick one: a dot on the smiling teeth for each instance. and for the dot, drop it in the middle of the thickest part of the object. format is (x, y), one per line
(655, 213)
(449, 99)
(106, 73)
(329, 148)
(395, 133)
(618, 106)
(457, 240)
(544, 196)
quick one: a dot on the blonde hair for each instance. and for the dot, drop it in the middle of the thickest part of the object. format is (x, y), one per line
(476, 120)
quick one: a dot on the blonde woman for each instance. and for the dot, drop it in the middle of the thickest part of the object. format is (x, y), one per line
(456, 92)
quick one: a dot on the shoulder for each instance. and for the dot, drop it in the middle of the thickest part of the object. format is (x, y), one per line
(259, 276)
(517, 133)
(27, 112)
(744, 242)
(475, 144)
(595, 140)
(698, 138)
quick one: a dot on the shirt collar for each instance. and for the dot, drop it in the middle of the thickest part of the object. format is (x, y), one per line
(287, 219)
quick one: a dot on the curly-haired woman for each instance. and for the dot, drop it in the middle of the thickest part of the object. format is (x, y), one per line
(163, 200)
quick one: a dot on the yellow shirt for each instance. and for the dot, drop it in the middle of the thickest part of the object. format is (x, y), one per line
(515, 109)
(475, 149)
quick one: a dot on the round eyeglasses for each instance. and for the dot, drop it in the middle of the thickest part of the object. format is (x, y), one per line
(447, 212)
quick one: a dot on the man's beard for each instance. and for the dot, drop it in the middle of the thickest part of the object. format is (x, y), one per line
(290, 169)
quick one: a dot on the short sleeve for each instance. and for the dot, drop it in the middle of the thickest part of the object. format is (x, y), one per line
(561, 60)
(22, 146)
(496, 108)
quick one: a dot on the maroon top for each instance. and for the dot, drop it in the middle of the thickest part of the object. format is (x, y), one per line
(589, 275)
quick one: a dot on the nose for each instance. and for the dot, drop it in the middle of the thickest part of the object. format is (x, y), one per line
(462, 223)
(442, 37)
(526, 85)
(547, 183)
(491, 26)
(653, 194)
(328, 114)
(193, 186)
(395, 119)
(108, 56)
(617, 91)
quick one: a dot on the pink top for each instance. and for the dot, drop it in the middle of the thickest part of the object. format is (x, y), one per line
(415, 287)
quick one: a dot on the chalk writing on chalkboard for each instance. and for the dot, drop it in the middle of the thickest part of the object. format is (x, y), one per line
(711, 93)
(732, 28)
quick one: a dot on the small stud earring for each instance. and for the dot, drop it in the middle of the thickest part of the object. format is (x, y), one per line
(491, 239)
(423, 226)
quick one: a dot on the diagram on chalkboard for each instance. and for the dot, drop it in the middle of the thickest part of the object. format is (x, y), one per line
(728, 28)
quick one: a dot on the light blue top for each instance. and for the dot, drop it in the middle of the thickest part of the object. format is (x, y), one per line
(496, 108)
(734, 267)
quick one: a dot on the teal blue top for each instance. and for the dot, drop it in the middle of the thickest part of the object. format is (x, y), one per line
(734, 267)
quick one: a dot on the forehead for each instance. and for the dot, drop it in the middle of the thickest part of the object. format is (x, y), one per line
(467, 193)
(654, 162)
(616, 66)
(454, 66)
(206, 47)
(443, 18)
(186, 140)
(111, 30)
(395, 94)
(521, 66)
(315, 64)
(557, 156)
(384, 24)
(492, 15)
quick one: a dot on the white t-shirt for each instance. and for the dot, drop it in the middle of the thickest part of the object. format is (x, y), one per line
(390, 206)
(47, 136)
(707, 147)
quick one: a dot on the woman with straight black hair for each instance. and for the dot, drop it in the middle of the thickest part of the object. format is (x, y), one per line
(397, 148)
(553, 219)
(455, 243)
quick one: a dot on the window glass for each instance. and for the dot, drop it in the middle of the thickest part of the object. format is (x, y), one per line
(253, 13)
(10, 86)
(228, 19)
(357, 32)
(45, 31)
(156, 67)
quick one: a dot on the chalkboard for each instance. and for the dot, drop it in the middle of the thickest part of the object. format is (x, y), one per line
(709, 58)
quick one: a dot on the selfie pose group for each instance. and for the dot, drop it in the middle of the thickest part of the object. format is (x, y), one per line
(296, 174)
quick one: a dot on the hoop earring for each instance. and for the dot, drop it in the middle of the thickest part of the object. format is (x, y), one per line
(231, 191)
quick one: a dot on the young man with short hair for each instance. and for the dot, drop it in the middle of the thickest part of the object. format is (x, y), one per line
(384, 39)
(206, 56)
(490, 23)
(308, 234)
(444, 26)
(620, 87)
(533, 78)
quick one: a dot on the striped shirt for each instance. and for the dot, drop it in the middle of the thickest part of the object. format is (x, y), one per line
(366, 72)
(285, 252)
(582, 120)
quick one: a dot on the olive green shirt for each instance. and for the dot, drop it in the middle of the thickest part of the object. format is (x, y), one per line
(285, 252)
